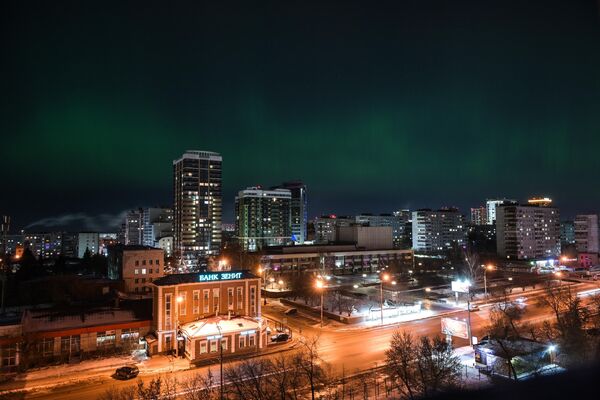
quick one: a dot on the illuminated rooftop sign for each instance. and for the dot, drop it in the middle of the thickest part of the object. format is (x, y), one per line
(219, 276)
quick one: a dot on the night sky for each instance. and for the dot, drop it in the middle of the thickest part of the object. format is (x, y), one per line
(408, 104)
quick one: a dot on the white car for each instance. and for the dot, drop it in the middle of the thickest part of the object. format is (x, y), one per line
(521, 301)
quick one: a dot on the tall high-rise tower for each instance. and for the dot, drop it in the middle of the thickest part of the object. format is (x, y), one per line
(262, 217)
(197, 206)
(298, 209)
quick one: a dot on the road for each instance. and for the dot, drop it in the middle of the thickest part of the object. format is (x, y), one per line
(342, 347)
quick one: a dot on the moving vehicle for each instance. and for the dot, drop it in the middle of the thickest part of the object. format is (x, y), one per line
(520, 301)
(280, 337)
(127, 372)
(473, 307)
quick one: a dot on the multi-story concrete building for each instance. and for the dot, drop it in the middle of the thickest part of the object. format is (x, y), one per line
(133, 228)
(12, 242)
(479, 216)
(208, 311)
(136, 266)
(44, 245)
(586, 233)
(197, 206)
(406, 237)
(166, 244)
(336, 258)
(527, 231)
(325, 227)
(567, 233)
(298, 210)
(158, 223)
(106, 240)
(87, 241)
(262, 217)
(437, 230)
(490, 207)
(396, 221)
(145, 226)
(69, 244)
(366, 237)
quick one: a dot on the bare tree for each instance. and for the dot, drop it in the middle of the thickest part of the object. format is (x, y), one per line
(284, 378)
(249, 379)
(169, 387)
(200, 387)
(424, 368)
(151, 392)
(113, 393)
(400, 364)
(309, 364)
(568, 329)
(472, 267)
(439, 368)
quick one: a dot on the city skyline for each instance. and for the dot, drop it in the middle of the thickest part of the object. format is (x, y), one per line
(374, 109)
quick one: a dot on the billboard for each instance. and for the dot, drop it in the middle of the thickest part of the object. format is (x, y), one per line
(461, 286)
(455, 327)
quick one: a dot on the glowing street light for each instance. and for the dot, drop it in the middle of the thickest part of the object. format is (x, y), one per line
(486, 268)
(428, 289)
(320, 286)
(551, 351)
(559, 274)
(384, 277)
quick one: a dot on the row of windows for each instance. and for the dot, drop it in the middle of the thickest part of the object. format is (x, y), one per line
(182, 301)
(156, 262)
(144, 271)
(142, 280)
(213, 345)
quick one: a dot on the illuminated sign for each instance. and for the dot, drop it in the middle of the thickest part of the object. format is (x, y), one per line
(455, 327)
(461, 286)
(219, 276)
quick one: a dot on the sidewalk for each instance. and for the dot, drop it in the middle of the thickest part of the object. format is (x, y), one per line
(67, 374)
(89, 369)
(471, 377)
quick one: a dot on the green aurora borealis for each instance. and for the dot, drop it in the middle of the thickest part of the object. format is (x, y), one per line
(415, 104)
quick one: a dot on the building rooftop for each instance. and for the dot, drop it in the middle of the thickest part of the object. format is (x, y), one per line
(50, 320)
(194, 277)
(217, 326)
(134, 247)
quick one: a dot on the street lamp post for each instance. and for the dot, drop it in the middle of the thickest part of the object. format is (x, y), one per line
(485, 270)
(221, 357)
(320, 286)
(469, 313)
(384, 277)
(178, 299)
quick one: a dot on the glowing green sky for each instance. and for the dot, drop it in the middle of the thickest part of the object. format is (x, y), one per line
(412, 104)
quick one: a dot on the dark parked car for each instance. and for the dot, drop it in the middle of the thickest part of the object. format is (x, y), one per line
(127, 372)
(291, 311)
(280, 337)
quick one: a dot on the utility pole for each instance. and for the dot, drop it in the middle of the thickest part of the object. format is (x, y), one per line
(221, 358)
